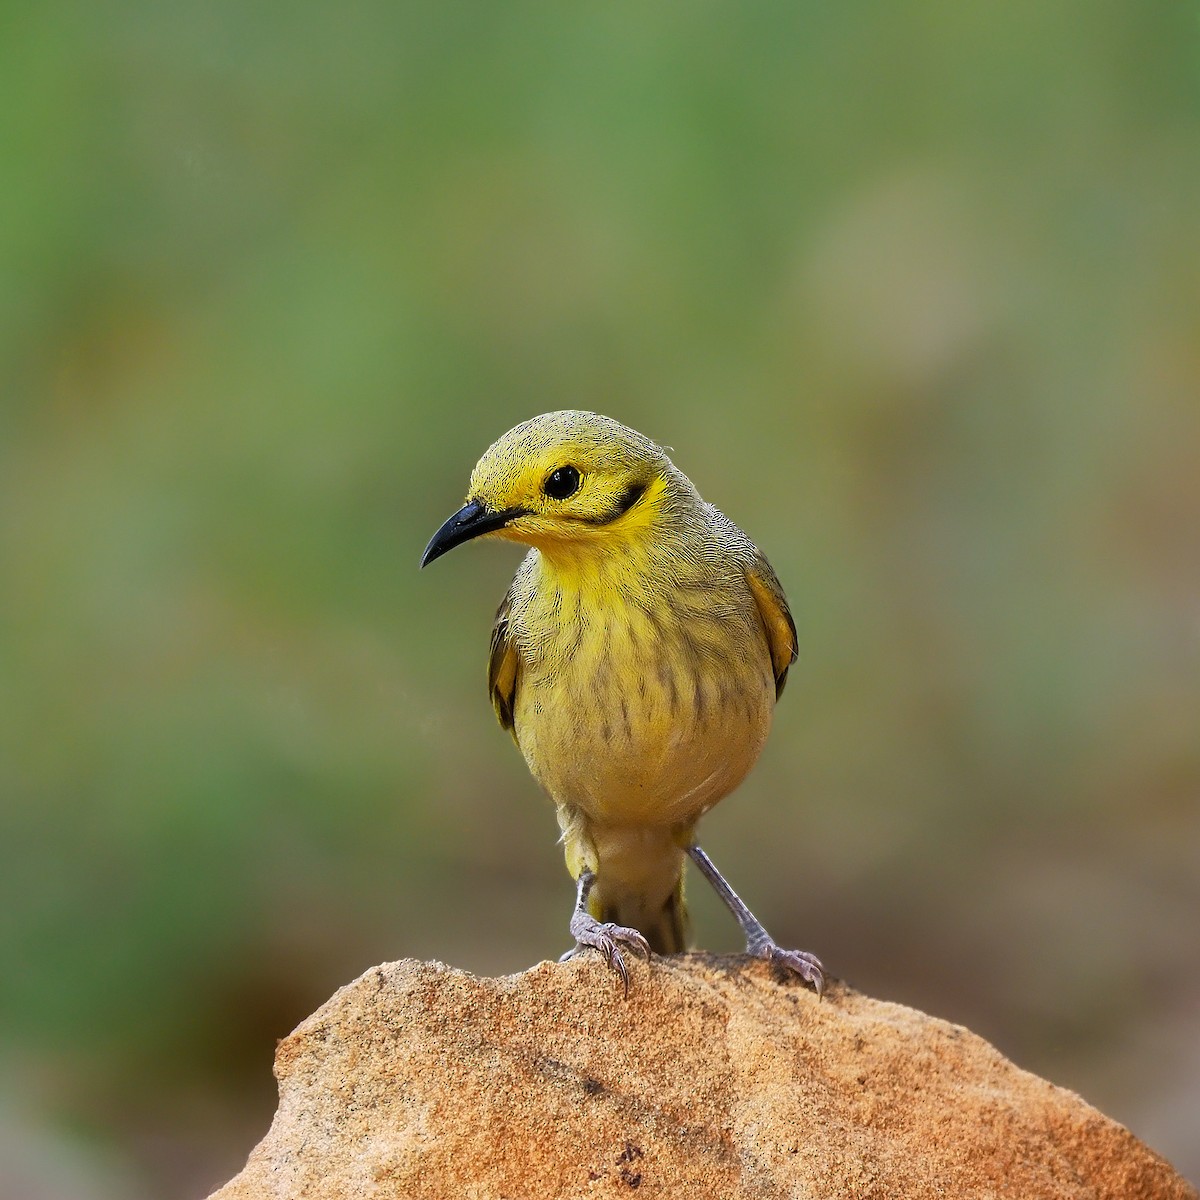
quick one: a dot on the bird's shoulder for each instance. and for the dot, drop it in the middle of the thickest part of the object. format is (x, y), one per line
(765, 588)
(503, 665)
(504, 660)
(776, 617)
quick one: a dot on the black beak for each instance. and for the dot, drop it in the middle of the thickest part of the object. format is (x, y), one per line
(470, 521)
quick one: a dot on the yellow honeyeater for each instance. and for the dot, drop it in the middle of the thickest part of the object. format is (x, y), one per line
(636, 661)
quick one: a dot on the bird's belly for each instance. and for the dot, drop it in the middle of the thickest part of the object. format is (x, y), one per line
(644, 739)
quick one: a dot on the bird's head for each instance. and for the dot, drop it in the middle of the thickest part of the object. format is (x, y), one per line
(558, 481)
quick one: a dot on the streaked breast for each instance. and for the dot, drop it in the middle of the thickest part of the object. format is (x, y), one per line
(643, 708)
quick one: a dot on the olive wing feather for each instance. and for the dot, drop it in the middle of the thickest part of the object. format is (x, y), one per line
(503, 664)
(776, 618)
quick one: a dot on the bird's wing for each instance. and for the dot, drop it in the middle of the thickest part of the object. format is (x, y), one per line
(776, 618)
(503, 664)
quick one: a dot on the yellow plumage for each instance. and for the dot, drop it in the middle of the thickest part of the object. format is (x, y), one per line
(636, 660)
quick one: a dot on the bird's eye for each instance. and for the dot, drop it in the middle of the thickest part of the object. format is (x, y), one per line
(562, 483)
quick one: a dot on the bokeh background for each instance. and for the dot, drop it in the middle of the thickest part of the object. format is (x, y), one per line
(912, 290)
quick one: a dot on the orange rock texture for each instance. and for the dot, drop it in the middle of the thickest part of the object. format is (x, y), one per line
(712, 1079)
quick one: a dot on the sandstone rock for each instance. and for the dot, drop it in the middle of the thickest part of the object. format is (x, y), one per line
(712, 1079)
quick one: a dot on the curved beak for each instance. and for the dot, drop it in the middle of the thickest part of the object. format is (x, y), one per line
(472, 520)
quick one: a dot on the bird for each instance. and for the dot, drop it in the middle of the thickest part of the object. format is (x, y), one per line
(636, 660)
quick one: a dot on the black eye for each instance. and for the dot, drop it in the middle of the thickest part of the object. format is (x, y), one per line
(562, 483)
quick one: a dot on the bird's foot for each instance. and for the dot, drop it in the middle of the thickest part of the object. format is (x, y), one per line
(798, 962)
(610, 940)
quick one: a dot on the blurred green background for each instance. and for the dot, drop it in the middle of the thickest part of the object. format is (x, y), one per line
(913, 292)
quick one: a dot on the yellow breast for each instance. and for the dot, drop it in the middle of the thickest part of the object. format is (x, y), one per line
(645, 695)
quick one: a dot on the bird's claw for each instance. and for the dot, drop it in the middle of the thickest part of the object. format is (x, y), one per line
(610, 940)
(798, 962)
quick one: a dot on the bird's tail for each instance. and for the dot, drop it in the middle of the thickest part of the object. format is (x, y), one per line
(666, 928)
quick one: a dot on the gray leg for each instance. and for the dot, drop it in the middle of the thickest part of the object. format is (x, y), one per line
(604, 936)
(758, 941)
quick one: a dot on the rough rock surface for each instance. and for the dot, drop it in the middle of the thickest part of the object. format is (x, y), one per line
(712, 1079)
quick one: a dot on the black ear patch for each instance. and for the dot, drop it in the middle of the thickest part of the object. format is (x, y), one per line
(629, 497)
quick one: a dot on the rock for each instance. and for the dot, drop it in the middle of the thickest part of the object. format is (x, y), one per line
(712, 1079)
